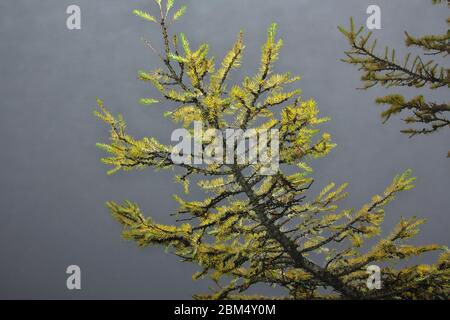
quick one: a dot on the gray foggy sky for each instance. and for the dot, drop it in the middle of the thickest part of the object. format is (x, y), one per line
(53, 186)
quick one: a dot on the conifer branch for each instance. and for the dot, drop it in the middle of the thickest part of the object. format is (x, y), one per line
(387, 71)
(250, 227)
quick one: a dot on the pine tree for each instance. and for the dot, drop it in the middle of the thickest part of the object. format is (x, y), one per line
(252, 228)
(385, 69)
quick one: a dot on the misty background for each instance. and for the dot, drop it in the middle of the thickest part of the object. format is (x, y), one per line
(53, 186)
